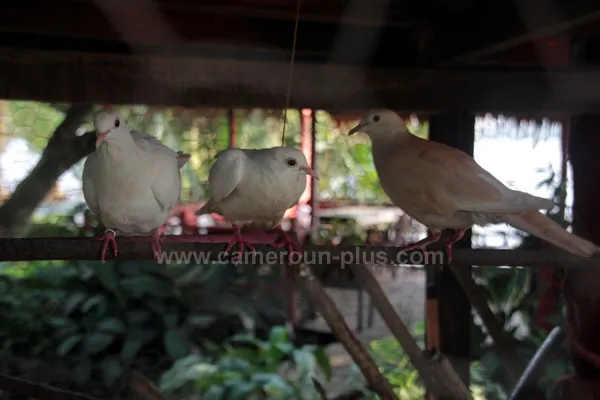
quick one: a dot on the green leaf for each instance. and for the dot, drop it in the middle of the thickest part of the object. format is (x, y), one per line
(143, 334)
(131, 347)
(171, 320)
(239, 390)
(278, 335)
(304, 360)
(284, 347)
(83, 371)
(111, 370)
(215, 392)
(97, 342)
(278, 387)
(233, 364)
(93, 301)
(108, 276)
(148, 284)
(137, 317)
(67, 345)
(323, 362)
(262, 378)
(176, 343)
(112, 325)
(201, 321)
(73, 301)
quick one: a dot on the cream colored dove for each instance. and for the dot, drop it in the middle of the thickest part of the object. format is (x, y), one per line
(443, 188)
(132, 181)
(257, 185)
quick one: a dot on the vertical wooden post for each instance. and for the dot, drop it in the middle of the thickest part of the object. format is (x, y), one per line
(448, 319)
(232, 127)
(580, 291)
(581, 288)
(314, 195)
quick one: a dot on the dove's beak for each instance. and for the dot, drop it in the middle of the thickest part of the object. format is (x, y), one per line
(357, 128)
(310, 172)
(100, 138)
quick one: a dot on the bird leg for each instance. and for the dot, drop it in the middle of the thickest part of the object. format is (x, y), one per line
(237, 239)
(286, 240)
(456, 236)
(108, 238)
(157, 239)
(422, 244)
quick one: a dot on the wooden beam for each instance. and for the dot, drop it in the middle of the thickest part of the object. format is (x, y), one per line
(130, 25)
(197, 82)
(543, 32)
(210, 247)
(502, 22)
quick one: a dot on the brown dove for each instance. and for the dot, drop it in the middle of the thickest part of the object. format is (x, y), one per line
(444, 188)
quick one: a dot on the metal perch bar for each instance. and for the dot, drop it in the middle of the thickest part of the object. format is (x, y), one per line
(212, 247)
(553, 340)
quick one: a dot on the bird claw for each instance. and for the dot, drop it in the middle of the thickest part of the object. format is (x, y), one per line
(449, 253)
(157, 239)
(421, 247)
(286, 240)
(242, 244)
(108, 238)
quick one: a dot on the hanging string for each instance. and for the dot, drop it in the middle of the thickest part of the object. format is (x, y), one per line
(290, 74)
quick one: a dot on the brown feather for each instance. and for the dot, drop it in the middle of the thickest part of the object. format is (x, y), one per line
(543, 227)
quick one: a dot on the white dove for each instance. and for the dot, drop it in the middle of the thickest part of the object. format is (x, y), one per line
(257, 185)
(131, 182)
(443, 188)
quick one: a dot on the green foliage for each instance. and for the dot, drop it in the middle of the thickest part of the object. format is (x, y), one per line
(249, 368)
(513, 296)
(34, 122)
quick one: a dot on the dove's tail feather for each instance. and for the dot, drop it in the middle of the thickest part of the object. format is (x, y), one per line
(182, 158)
(543, 227)
(538, 202)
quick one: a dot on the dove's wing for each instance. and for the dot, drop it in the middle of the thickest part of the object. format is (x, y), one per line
(449, 180)
(163, 169)
(226, 173)
(87, 180)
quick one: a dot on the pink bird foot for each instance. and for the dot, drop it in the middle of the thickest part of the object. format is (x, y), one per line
(240, 241)
(286, 240)
(422, 244)
(458, 234)
(108, 238)
(157, 239)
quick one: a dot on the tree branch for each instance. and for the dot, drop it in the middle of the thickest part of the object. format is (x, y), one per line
(25, 388)
(504, 343)
(64, 149)
(327, 308)
(439, 378)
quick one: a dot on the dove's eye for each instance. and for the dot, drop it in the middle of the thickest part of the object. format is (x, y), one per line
(376, 118)
(291, 162)
(117, 123)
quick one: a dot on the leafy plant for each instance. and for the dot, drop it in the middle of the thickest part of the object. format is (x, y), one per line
(249, 368)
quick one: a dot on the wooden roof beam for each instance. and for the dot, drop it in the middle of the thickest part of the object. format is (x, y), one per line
(541, 33)
(198, 82)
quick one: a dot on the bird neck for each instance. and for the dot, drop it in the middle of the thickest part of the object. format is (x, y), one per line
(119, 148)
(396, 139)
